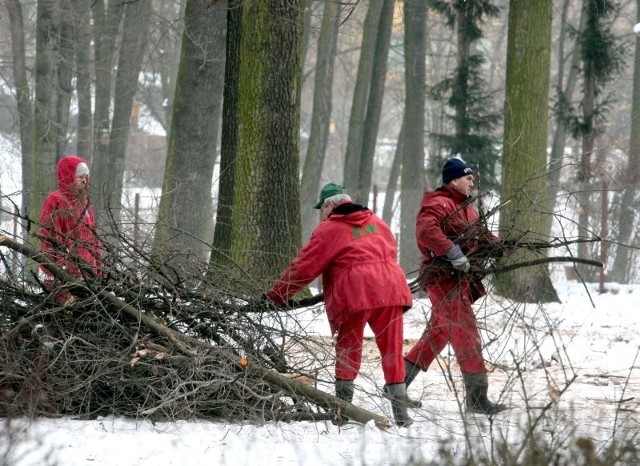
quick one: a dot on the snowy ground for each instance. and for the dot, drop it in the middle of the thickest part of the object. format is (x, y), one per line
(578, 359)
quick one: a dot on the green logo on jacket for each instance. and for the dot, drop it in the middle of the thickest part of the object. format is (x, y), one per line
(359, 232)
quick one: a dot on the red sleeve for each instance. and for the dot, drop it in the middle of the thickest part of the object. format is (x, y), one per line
(52, 230)
(310, 262)
(429, 234)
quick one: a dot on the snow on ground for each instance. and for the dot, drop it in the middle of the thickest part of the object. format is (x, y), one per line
(582, 355)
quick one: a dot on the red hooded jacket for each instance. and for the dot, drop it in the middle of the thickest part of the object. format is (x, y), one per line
(355, 252)
(68, 223)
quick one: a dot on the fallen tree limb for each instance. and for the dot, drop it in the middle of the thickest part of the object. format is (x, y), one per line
(318, 396)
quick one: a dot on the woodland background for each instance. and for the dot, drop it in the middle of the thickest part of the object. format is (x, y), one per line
(228, 117)
(211, 126)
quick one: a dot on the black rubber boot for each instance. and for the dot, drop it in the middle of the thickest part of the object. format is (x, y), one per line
(410, 373)
(399, 403)
(344, 391)
(476, 387)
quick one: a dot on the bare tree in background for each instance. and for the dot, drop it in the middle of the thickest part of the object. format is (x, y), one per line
(321, 115)
(22, 94)
(412, 175)
(630, 179)
(108, 171)
(185, 218)
(362, 92)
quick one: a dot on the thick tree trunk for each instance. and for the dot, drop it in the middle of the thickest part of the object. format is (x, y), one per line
(623, 262)
(266, 205)
(525, 143)
(412, 186)
(185, 218)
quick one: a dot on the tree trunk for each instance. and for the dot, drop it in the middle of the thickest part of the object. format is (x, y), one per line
(320, 117)
(525, 143)
(23, 95)
(185, 218)
(45, 134)
(221, 253)
(106, 22)
(375, 99)
(566, 90)
(623, 262)
(415, 13)
(266, 205)
(358, 113)
(84, 80)
(394, 174)
(134, 38)
(65, 13)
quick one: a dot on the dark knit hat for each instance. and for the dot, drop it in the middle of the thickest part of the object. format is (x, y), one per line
(453, 169)
(329, 190)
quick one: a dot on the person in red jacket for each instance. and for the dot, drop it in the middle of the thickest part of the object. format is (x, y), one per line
(67, 226)
(355, 252)
(447, 228)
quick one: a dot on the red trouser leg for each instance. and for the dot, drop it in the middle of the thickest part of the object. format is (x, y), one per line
(349, 337)
(452, 321)
(387, 326)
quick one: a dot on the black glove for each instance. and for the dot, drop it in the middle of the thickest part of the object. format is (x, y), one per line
(458, 260)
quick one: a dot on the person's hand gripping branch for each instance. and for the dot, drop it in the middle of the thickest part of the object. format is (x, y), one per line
(458, 260)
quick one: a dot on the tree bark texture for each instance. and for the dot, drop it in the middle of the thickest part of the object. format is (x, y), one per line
(525, 141)
(412, 174)
(106, 22)
(221, 253)
(185, 217)
(266, 203)
(45, 131)
(623, 262)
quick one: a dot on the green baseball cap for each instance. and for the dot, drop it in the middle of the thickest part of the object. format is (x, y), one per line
(329, 190)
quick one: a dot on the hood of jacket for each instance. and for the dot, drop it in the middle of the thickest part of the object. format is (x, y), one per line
(350, 213)
(66, 172)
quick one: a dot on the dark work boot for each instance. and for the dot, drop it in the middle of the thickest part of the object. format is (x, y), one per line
(399, 403)
(476, 387)
(410, 373)
(344, 391)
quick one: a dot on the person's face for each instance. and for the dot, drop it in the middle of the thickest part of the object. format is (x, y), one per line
(325, 210)
(463, 184)
(81, 183)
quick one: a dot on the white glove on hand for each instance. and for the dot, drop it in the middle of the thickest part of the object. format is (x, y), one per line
(458, 260)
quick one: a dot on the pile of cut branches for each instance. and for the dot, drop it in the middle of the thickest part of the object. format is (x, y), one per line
(143, 341)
